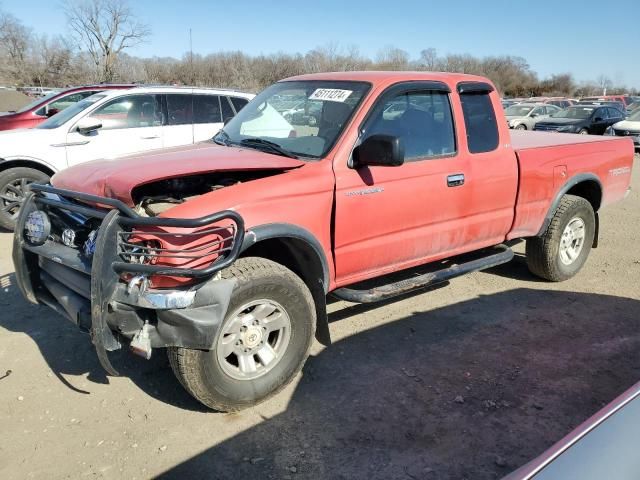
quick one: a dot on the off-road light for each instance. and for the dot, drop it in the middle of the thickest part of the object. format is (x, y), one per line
(37, 227)
(69, 237)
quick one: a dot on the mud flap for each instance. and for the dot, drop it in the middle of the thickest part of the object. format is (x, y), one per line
(103, 284)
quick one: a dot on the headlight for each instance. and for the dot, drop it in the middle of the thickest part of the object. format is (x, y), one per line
(37, 228)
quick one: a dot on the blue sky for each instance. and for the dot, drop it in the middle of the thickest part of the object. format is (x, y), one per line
(554, 36)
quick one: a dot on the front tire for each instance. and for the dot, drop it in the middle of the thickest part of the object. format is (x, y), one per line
(583, 131)
(262, 343)
(521, 126)
(13, 188)
(563, 249)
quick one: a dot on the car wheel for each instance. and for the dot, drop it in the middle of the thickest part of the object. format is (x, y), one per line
(262, 343)
(520, 126)
(583, 131)
(13, 188)
(563, 249)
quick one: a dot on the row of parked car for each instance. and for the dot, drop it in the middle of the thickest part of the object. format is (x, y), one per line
(97, 121)
(609, 115)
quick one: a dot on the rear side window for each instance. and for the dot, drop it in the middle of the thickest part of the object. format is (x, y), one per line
(206, 109)
(480, 122)
(238, 103)
(615, 113)
(180, 109)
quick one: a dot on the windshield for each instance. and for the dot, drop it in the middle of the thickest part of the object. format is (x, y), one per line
(517, 111)
(68, 113)
(37, 102)
(269, 123)
(635, 116)
(574, 112)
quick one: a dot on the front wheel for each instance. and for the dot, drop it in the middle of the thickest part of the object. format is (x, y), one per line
(13, 188)
(521, 126)
(563, 249)
(583, 131)
(262, 343)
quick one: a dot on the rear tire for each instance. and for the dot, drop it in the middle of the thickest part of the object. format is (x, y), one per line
(226, 383)
(13, 183)
(563, 249)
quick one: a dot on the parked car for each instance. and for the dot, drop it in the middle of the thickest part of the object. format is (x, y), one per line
(561, 102)
(606, 103)
(628, 128)
(109, 124)
(524, 116)
(224, 254)
(506, 103)
(605, 446)
(583, 119)
(44, 107)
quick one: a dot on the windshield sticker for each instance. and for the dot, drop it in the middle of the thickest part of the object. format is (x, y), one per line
(330, 94)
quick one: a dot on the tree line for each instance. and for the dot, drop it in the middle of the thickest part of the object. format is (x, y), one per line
(103, 31)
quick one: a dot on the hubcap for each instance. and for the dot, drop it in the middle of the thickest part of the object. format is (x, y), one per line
(12, 195)
(572, 241)
(254, 340)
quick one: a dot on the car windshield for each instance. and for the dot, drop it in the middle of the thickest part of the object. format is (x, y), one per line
(517, 111)
(322, 110)
(574, 112)
(68, 113)
(635, 116)
(38, 101)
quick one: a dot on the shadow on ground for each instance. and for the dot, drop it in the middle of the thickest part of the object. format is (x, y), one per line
(472, 390)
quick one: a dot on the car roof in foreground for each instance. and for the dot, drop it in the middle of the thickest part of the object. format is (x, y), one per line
(378, 78)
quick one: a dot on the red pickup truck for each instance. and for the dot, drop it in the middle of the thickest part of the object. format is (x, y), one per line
(225, 252)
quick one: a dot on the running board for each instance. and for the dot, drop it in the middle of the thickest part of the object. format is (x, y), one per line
(384, 292)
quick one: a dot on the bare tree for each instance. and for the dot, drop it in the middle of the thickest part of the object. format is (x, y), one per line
(604, 82)
(15, 43)
(106, 28)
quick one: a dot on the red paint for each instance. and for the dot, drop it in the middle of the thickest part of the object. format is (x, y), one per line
(413, 218)
(30, 118)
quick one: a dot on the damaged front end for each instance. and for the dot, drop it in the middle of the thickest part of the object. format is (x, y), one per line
(120, 275)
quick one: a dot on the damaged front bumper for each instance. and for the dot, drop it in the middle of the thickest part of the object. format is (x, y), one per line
(101, 287)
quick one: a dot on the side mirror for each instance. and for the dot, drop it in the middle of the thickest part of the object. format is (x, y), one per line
(52, 111)
(533, 115)
(379, 150)
(88, 125)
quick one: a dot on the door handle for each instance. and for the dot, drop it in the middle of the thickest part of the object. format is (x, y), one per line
(456, 180)
(150, 137)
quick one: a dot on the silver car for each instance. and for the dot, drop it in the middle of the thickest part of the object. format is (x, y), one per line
(524, 116)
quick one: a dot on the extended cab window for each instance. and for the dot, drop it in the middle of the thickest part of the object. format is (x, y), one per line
(180, 109)
(131, 111)
(421, 119)
(480, 122)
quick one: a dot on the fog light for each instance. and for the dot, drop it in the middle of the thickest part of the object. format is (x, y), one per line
(37, 227)
(69, 237)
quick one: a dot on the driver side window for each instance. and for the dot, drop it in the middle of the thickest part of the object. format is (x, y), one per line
(422, 120)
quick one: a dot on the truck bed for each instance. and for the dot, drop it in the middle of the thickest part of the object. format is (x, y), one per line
(548, 162)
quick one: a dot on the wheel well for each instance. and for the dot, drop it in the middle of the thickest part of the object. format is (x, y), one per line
(302, 259)
(589, 190)
(26, 163)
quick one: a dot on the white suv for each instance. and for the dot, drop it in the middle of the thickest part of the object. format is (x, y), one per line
(106, 125)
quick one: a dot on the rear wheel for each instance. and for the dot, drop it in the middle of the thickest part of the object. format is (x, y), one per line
(262, 343)
(13, 188)
(563, 249)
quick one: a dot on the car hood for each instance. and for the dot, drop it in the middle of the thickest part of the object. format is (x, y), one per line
(118, 177)
(7, 114)
(515, 117)
(628, 125)
(562, 121)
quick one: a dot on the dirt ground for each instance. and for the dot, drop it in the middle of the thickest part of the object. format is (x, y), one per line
(12, 100)
(468, 381)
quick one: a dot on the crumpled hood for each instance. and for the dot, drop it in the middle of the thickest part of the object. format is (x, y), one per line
(118, 177)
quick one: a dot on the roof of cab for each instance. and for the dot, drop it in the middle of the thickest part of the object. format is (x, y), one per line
(377, 78)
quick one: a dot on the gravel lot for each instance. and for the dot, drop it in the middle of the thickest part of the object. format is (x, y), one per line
(468, 381)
